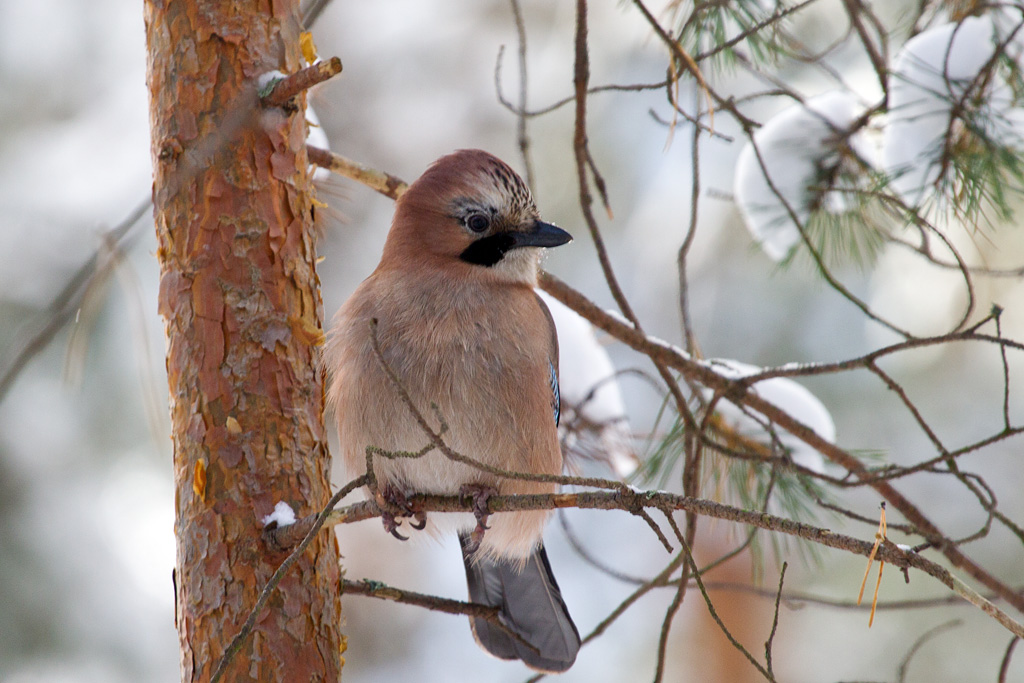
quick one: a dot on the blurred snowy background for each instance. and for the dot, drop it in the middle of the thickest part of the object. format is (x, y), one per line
(86, 545)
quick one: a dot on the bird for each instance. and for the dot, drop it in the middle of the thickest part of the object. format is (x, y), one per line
(450, 317)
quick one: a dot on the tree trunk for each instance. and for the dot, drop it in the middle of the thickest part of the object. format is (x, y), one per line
(240, 296)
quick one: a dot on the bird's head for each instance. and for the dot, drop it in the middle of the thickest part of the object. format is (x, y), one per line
(470, 211)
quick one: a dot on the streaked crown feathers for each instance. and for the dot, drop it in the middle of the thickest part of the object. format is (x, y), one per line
(473, 179)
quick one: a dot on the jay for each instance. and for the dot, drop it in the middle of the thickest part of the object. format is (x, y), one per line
(460, 325)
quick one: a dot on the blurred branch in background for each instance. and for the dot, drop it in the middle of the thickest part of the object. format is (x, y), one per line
(64, 308)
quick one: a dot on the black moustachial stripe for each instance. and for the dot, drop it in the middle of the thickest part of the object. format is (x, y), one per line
(489, 250)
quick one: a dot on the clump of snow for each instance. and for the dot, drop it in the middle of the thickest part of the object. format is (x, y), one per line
(268, 78)
(615, 315)
(587, 383)
(678, 350)
(282, 514)
(936, 75)
(800, 146)
(787, 395)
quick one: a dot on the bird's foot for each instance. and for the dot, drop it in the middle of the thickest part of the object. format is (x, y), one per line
(394, 507)
(480, 493)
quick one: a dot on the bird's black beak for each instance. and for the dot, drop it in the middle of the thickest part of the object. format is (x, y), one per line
(542, 235)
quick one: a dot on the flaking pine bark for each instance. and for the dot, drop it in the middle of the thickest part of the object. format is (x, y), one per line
(240, 297)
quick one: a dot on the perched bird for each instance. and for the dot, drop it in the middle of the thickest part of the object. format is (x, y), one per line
(458, 322)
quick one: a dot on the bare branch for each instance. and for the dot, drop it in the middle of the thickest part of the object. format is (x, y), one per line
(631, 500)
(385, 183)
(523, 138)
(376, 589)
(739, 392)
(281, 92)
(775, 621)
(1004, 666)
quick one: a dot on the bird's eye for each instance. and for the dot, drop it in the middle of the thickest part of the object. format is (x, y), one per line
(478, 222)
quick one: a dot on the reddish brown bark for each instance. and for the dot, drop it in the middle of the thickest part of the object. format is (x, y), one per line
(240, 296)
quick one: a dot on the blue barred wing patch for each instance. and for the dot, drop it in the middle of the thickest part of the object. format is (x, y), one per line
(556, 399)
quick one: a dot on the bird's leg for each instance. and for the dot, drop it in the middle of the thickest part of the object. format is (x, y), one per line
(394, 506)
(480, 493)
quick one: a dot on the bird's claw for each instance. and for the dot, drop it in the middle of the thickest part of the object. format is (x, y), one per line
(395, 506)
(480, 494)
(421, 520)
(391, 525)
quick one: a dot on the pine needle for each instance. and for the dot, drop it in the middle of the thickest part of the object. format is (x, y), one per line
(880, 537)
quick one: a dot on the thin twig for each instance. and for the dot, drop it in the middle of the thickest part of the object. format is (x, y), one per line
(592, 559)
(800, 599)
(581, 78)
(997, 316)
(385, 183)
(775, 621)
(666, 626)
(1004, 666)
(660, 580)
(282, 91)
(718, 620)
(376, 589)
(689, 338)
(522, 138)
(438, 442)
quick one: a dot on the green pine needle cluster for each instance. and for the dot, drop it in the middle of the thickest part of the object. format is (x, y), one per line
(702, 27)
(753, 482)
(858, 233)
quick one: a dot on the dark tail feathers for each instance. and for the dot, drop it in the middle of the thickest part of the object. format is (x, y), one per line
(531, 607)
